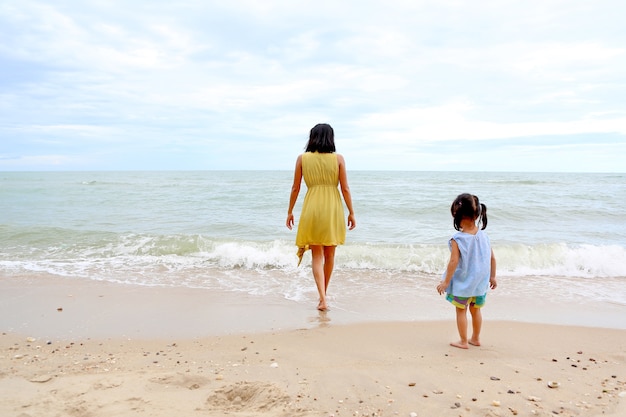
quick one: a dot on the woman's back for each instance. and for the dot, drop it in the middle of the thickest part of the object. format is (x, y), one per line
(322, 220)
(320, 169)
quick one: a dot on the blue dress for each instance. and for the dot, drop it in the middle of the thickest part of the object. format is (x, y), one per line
(471, 277)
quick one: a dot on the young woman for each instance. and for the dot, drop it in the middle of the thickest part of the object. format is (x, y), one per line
(322, 223)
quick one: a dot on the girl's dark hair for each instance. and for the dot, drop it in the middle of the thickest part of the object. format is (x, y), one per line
(468, 206)
(321, 139)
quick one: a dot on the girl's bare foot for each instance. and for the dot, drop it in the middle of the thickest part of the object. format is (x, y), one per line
(322, 306)
(474, 342)
(460, 345)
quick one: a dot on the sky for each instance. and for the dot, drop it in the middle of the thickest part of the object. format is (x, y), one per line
(442, 85)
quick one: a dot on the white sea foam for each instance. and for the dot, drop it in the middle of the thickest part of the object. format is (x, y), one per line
(143, 256)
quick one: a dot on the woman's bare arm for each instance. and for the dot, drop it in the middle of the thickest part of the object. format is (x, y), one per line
(345, 191)
(295, 190)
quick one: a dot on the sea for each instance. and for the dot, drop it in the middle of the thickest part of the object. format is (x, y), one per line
(561, 235)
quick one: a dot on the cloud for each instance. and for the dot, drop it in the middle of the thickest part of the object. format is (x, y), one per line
(115, 82)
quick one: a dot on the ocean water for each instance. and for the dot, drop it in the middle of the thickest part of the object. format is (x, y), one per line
(560, 233)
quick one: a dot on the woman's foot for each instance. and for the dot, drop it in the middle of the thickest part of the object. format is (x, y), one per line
(474, 342)
(322, 306)
(460, 345)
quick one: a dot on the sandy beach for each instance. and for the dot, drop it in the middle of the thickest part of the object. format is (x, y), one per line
(75, 348)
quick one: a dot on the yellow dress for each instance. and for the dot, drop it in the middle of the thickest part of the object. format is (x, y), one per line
(322, 219)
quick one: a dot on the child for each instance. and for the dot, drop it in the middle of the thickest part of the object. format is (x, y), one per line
(471, 269)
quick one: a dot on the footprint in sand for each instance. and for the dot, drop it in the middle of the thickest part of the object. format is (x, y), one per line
(249, 396)
(191, 382)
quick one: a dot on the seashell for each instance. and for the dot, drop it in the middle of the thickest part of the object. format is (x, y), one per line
(30, 339)
(495, 403)
(553, 384)
(41, 379)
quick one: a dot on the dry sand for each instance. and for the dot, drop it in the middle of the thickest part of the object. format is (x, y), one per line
(56, 363)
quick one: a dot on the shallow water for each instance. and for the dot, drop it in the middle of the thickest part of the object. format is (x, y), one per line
(558, 233)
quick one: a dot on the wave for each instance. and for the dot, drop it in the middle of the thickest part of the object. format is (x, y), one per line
(71, 253)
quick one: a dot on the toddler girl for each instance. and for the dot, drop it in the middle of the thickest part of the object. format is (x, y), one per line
(471, 270)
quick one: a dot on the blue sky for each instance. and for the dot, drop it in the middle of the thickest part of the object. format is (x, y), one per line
(502, 85)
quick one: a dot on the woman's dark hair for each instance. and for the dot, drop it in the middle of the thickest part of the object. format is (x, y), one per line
(467, 206)
(321, 139)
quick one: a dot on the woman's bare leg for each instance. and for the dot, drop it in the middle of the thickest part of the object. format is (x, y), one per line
(317, 264)
(477, 322)
(329, 264)
(461, 324)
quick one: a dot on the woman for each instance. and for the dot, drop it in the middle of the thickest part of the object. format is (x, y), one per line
(322, 224)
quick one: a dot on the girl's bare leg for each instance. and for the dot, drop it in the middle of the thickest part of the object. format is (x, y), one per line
(477, 322)
(461, 324)
(317, 264)
(329, 264)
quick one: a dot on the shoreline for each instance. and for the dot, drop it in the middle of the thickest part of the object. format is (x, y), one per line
(53, 307)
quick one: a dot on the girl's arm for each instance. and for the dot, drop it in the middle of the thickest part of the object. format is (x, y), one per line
(295, 190)
(492, 278)
(345, 191)
(455, 255)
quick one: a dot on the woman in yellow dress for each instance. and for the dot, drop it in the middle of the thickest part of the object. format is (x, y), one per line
(322, 223)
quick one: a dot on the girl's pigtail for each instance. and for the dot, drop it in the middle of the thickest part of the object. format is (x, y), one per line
(457, 212)
(458, 216)
(483, 216)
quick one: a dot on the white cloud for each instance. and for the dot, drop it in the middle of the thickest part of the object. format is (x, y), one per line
(452, 121)
(399, 77)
